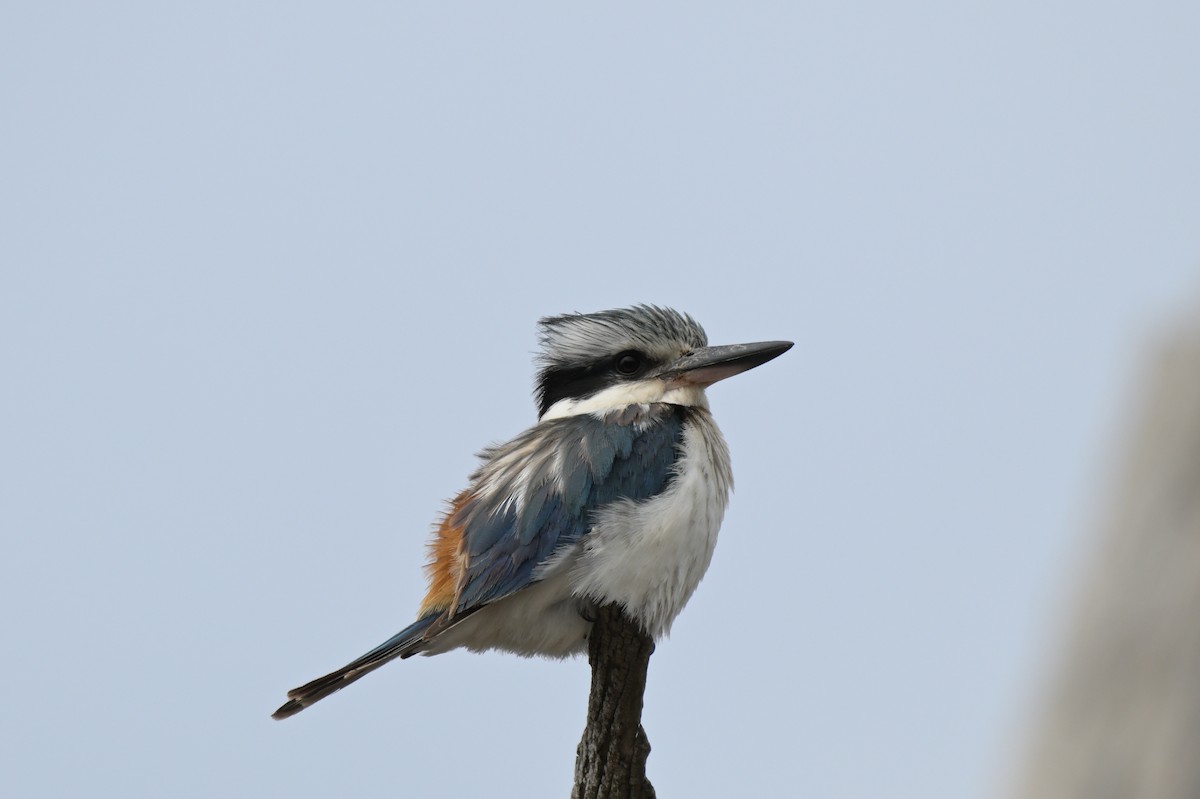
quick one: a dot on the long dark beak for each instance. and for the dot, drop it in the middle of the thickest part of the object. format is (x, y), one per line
(706, 366)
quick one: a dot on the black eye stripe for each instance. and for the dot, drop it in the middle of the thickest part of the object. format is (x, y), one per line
(584, 380)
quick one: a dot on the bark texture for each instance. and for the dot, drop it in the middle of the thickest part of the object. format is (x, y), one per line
(1123, 717)
(610, 762)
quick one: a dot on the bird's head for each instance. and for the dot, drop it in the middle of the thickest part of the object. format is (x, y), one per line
(591, 363)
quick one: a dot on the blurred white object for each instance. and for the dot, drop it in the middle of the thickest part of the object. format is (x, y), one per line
(1123, 716)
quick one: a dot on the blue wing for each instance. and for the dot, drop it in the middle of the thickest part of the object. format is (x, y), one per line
(563, 471)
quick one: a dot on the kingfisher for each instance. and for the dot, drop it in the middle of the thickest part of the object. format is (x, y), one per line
(615, 495)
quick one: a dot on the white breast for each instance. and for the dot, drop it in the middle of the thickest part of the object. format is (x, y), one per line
(650, 556)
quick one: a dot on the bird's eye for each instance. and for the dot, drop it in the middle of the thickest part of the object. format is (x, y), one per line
(628, 363)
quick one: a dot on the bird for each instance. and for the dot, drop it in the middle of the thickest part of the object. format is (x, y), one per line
(614, 495)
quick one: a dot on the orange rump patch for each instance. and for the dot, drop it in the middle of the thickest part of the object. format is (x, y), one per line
(447, 561)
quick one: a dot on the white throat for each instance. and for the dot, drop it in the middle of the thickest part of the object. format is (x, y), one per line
(641, 392)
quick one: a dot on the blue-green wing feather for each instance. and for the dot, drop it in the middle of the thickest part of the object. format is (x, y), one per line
(569, 468)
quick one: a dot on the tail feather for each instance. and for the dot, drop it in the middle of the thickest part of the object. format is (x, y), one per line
(403, 644)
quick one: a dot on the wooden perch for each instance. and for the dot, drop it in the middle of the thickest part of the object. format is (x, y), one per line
(610, 762)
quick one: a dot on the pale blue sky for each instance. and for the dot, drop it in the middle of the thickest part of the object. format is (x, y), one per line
(269, 278)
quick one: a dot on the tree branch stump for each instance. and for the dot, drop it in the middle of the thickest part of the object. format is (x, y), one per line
(610, 762)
